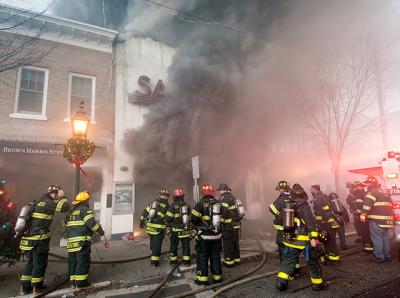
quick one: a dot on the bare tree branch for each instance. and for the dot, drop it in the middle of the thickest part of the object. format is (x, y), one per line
(336, 104)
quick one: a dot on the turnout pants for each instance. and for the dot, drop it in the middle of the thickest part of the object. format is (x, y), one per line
(155, 247)
(290, 259)
(363, 229)
(231, 246)
(173, 258)
(208, 250)
(78, 266)
(279, 243)
(342, 236)
(33, 274)
(331, 247)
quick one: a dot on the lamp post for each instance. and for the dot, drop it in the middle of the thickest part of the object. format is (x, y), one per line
(78, 148)
(80, 125)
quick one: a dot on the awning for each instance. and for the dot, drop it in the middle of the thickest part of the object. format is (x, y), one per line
(373, 171)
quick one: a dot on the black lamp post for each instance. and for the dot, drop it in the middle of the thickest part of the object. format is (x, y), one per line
(78, 149)
(80, 125)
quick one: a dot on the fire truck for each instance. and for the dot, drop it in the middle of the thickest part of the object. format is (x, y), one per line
(389, 173)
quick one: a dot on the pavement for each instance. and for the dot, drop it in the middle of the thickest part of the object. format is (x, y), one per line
(137, 273)
(356, 277)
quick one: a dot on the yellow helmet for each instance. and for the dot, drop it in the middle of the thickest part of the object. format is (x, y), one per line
(81, 197)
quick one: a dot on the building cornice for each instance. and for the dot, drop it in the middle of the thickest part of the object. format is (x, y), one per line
(56, 29)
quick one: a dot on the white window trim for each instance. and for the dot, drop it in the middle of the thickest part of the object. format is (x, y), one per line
(93, 101)
(17, 115)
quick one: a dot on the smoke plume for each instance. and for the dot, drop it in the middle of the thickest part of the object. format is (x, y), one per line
(232, 84)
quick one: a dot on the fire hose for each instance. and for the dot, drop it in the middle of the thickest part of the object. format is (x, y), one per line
(206, 288)
(267, 274)
(239, 280)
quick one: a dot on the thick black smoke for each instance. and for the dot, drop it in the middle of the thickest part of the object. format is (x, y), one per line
(233, 95)
(207, 114)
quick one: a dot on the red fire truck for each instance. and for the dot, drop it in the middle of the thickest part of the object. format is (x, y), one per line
(389, 173)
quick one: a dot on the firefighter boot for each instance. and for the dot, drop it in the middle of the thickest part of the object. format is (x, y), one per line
(26, 291)
(320, 287)
(282, 285)
(38, 290)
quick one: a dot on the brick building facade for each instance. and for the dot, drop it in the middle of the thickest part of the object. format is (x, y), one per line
(36, 103)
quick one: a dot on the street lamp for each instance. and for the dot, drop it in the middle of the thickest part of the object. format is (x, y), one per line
(80, 122)
(78, 149)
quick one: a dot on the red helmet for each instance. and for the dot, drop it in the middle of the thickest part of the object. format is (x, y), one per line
(207, 190)
(178, 192)
(371, 180)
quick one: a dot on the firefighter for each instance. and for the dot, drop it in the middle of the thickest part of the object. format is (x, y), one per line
(356, 201)
(341, 216)
(154, 215)
(80, 226)
(36, 239)
(377, 208)
(352, 202)
(178, 217)
(275, 208)
(233, 214)
(326, 222)
(206, 218)
(300, 232)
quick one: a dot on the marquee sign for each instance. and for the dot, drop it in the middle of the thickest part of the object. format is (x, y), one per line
(147, 96)
(27, 148)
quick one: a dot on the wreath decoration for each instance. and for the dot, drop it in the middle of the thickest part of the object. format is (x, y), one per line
(78, 150)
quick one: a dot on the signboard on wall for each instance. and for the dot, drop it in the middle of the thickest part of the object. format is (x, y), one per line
(147, 95)
(123, 198)
(28, 148)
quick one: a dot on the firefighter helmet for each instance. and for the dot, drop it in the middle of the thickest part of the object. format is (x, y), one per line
(207, 190)
(53, 189)
(223, 186)
(371, 180)
(81, 197)
(164, 193)
(357, 183)
(297, 189)
(178, 192)
(282, 185)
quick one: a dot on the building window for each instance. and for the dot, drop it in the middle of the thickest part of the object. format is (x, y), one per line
(31, 93)
(81, 88)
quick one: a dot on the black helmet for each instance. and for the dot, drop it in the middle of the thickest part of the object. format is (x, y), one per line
(164, 193)
(297, 189)
(333, 196)
(53, 188)
(282, 185)
(223, 186)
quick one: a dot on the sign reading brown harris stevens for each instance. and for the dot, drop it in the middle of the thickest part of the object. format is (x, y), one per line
(28, 148)
(147, 95)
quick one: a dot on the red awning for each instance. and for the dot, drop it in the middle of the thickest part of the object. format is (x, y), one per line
(374, 171)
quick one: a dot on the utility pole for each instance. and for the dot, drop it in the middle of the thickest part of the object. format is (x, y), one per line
(381, 101)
